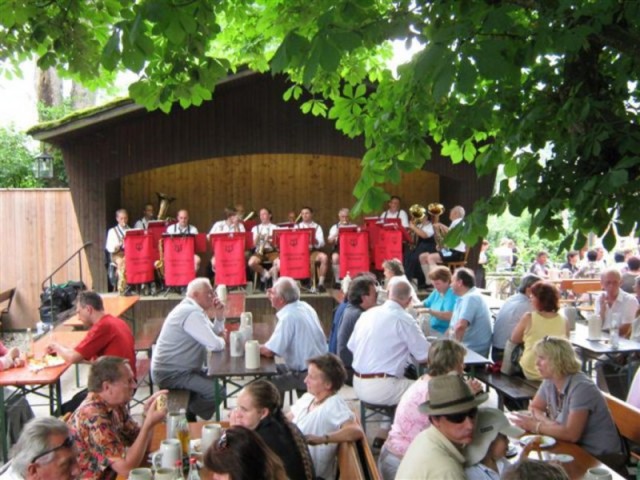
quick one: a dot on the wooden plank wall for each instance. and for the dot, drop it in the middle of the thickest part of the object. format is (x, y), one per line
(40, 232)
(283, 182)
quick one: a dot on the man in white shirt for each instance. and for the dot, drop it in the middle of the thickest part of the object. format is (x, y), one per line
(297, 337)
(265, 250)
(614, 301)
(45, 449)
(231, 224)
(394, 211)
(334, 239)
(184, 228)
(317, 257)
(148, 215)
(382, 342)
(115, 247)
(187, 336)
(456, 254)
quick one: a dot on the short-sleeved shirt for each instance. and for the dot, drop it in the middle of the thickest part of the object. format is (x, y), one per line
(326, 418)
(408, 422)
(101, 433)
(383, 339)
(625, 304)
(298, 335)
(472, 308)
(580, 393)
(508, 317)
(432, 456)
(441, 303)
(109, 336)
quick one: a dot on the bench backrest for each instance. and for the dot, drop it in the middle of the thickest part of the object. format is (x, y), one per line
(349, 462)
(625, 416)
(583, 286)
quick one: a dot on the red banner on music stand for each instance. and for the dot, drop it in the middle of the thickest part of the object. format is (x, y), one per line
(179, 268)
(354, 252)
(294, 252)
(228, 249)
(138, 256)
(156, 228)
(388, 246)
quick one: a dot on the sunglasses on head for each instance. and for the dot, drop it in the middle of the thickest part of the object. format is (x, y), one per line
(461, 417)
(68, 443)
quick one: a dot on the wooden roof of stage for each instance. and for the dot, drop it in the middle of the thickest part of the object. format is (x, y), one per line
(246, 146)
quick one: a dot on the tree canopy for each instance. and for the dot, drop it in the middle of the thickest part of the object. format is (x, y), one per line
(543, 89)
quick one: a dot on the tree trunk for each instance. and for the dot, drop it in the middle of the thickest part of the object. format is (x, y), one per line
(81, 97)
(48, 90)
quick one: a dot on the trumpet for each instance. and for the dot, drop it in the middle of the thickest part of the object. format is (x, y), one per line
(248, 217)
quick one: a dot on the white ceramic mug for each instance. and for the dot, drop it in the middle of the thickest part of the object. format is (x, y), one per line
(594, 326)
(221, 293)
(165, 474)
(252, 355)
(141, 474)
(598, 473)
(211, 432)
(170, 452)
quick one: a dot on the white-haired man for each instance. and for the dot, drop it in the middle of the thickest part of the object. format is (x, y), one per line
(187, 335)
(456, 254)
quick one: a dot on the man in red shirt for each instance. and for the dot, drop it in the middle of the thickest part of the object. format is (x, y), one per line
(107, 335)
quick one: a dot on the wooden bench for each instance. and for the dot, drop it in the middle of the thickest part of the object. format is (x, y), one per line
(356, 461)
(626, 418)
(515, 388)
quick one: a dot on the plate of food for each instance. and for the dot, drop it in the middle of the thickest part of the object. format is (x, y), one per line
(543, 441)
(48, 361)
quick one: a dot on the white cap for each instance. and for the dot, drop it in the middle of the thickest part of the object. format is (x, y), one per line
(489, 423)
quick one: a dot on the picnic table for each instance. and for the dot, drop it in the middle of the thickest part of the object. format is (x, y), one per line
(113, 305)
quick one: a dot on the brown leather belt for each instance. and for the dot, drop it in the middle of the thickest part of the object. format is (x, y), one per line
(373, 375)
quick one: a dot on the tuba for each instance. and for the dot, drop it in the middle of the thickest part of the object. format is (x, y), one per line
(440, 230)
(163, 206)
(417, 213)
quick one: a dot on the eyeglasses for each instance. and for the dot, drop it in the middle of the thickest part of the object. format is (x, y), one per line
(461, 417)
(68, 443)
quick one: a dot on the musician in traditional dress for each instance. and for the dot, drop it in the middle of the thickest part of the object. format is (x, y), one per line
(183, 227)
(394, 211)
(423, 234)
(115, 247)
(317, 257)
(148, 215)
(444, 255)
(334, 239)
(265, 250)
(231, 224)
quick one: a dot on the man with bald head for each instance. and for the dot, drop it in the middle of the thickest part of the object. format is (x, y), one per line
(184, 228)
(614, 301)
(382, 342)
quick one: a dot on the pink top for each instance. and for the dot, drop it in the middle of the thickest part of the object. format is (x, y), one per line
(3, 350)
(409, 421)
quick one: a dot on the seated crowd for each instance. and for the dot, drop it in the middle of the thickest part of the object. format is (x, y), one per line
(438, 430)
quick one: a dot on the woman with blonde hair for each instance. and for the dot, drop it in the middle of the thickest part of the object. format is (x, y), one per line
(569, 406)
(543, 320)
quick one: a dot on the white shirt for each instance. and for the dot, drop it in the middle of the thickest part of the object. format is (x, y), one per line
(480, 471)
(403, 278)
(319, 242)
(176, 229)
(335, 230)
(401, 214)
(383, 339)
(115, 238)
(262, 229)
(326, 418)
(143, 223)
(298, 335)
(461, 247)
(625, 304)
(223, 227)
(11, 474)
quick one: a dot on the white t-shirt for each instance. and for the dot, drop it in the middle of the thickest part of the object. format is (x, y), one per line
(326, 418)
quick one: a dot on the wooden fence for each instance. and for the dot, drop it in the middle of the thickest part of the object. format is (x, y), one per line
(40, 231)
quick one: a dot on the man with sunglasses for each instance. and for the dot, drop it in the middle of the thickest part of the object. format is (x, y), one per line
(44, 451)
(436, 453)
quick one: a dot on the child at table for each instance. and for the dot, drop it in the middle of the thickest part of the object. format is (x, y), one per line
(18, 410)
(485, 455)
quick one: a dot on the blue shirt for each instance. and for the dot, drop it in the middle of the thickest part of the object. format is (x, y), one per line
(335, 326)
(442, 303)
(472, 308)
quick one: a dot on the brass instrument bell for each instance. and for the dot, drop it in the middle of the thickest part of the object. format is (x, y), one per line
(435, 209)
(417, 213)
(163, 207)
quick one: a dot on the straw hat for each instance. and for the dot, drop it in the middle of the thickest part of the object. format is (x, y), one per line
(489, 423)
(450, 394)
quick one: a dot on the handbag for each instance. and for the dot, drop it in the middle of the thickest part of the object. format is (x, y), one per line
(511, 359)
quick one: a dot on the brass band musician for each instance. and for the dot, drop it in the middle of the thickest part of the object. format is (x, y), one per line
(394, 211)
(115, 247)
(422, 231)
(334, 239)
(184, 228)
(317, 257)
(148, 215)
(264, 248)
(444, 255)
(231, 223)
